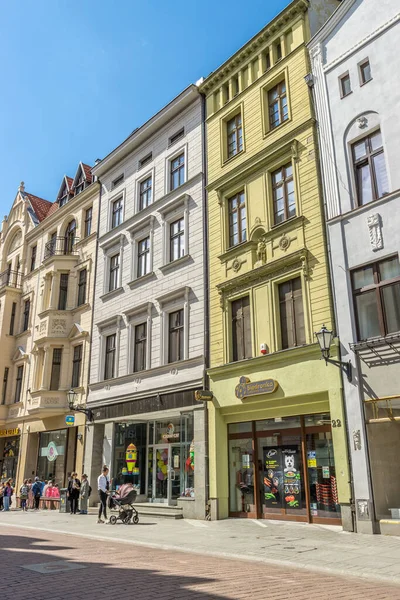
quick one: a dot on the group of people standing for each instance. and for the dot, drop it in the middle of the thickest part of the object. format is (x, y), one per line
(78, 493)
(30, 493)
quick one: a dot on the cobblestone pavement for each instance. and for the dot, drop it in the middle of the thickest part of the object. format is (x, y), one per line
(42, 564)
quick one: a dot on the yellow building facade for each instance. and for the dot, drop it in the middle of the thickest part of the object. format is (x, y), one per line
(277, 436)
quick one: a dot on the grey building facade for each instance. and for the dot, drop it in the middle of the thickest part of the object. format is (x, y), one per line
(149, 312)
(355, 62)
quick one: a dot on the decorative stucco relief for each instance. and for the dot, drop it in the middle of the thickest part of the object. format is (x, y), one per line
(375, 231)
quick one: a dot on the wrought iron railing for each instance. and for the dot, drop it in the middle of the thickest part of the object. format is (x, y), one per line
(11, 279)
(61, 246)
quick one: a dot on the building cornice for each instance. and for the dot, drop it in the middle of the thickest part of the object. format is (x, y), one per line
(295, 8)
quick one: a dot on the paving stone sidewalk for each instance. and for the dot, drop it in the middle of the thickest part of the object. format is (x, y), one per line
(314, 548)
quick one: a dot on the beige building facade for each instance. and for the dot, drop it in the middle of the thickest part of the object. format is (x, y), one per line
(47, 256)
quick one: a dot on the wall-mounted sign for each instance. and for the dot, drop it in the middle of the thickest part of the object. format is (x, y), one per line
(70, 419)
(9, 432)
(246, 388)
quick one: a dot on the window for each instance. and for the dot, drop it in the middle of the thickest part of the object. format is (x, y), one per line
(116, 217)
(176, 137)
(145, 160)
(277, 105)
(62, 299)
(376, 292)
(80, 186)
(177, 239)
(64, 198)
(88, 221)
(283, 194)
(237, 219)
(53, 243)
(278, 51)
(143, 264)
(145, 193)
(55, 369)
(234, 135)
(177, 171)
(8, 273)
(5, 382)
(18, 386)
(293, 331)
(109, 368)
(139, 362)
(114, 273)
(235, 85)
(27, 308)
(117, 181)
(70, 234)
(76, 366)
(370, 169)
(225, 93)
(365, 72)
(345, 85)
(241, 329)
(33, 257)
(82, 287)
(12, 319)
(175, 337)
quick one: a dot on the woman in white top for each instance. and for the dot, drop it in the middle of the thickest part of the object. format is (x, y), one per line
(103, 485)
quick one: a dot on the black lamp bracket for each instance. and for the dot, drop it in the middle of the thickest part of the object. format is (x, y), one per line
(344, 366)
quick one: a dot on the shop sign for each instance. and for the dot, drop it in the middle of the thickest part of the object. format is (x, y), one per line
(311, 459)
(51, 452)
(70, 420)
(246, 388)
(170, 434)
(9, 432)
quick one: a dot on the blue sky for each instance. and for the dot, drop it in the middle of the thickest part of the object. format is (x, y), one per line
(79, 76)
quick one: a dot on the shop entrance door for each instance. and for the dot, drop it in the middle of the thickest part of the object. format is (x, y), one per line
(166, 465)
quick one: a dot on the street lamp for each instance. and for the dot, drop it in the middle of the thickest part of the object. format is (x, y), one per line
(324, 338)
(72, 398)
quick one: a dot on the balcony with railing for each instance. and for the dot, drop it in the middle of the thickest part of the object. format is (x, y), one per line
(61, 246)
(12, 279)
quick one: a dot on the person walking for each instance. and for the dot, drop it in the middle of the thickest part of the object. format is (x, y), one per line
(37, 492)
(103, 485)
(74, 486)
(7, 496)
(23, 495)
(85, 493)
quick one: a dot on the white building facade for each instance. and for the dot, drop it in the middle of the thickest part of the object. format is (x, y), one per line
(149, 314)
(356, 88)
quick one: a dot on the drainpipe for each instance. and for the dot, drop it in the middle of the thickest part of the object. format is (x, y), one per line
(206, 292)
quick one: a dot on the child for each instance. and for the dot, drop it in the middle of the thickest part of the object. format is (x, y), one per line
(23, 495)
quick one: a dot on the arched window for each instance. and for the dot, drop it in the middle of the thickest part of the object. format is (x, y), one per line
(70, 234)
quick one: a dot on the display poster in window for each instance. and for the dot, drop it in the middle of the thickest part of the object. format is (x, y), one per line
(273, 477)
(291, 476)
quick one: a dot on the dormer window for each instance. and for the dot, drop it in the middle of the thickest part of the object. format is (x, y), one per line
(64, 197)
(80, 186)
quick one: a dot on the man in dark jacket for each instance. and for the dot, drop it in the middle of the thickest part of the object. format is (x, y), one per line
(37, 492)
(74, 486)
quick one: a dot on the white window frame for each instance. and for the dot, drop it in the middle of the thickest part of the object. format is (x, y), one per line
(183, 148)
(137, 316)
(116, 247)
(105, 328)
(119, 196)
(171, 212)
(146, 174)
(139, 231)
(169, 303)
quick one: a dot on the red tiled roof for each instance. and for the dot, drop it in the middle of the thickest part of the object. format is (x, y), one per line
(70, 181)
(88, 172)
(53, 209)
(40, 206)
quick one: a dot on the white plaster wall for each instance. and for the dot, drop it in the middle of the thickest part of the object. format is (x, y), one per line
(190, 273)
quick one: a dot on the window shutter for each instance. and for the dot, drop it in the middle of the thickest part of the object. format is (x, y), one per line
(299, 312)
(246, 324)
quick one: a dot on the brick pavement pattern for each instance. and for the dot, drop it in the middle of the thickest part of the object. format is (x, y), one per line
(117, 570)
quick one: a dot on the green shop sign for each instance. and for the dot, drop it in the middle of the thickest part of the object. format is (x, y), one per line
(246, 388)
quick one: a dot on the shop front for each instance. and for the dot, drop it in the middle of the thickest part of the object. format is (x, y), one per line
(157, 457)
(9, 453)
(158, 445)
(278, 442)
(283, 468)
(56, 456)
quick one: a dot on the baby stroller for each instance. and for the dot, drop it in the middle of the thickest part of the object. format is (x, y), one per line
(122, 501)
